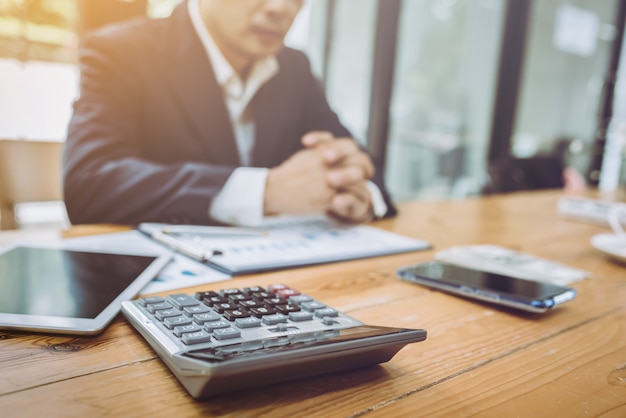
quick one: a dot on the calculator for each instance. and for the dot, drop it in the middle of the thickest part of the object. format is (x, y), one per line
(222, 341)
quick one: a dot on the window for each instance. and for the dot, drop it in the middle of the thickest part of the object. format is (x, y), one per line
(567, 57)
(38, 75)
(565, 66)
(442, 98)
(42, 30)
(350, 63)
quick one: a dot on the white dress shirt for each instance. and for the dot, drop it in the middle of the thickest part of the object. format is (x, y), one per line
(240, 202)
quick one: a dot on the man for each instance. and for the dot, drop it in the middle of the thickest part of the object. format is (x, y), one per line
(205, 117)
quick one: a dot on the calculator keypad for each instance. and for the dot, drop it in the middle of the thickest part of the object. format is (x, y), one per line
(242, 315)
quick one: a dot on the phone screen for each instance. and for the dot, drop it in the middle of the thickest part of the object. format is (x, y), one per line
(483, 280)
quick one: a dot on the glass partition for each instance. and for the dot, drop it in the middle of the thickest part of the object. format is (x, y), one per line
(442, 97)
(567, 57)
(350, 63)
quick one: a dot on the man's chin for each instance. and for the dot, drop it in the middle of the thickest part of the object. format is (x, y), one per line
(263, 50)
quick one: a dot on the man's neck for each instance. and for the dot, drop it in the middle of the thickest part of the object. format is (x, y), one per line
(244, 73)
(241, 63)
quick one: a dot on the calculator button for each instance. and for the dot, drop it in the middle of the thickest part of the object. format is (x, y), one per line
(166, 313)
(213, 300)
(226, 333)
(287, 293)
(203, 318)
(300, 299)
(326, 312)
(237, 313)
(206, 295)
(185, 329)
(249, 322)
(153, 307)
(300, 316)
(193, 310)
(212, 326)
(182, 300)
(249, 304)
(274, 319)
(276, 287)
(197, 337)
(262, 295)
(229, 292)
(210, 298)
(238, 298)
(285, 309)
(276, 301)
(262, 311)
(223, 307)
(150, 300)
(312, 306)
(176, 321)
(253, 289)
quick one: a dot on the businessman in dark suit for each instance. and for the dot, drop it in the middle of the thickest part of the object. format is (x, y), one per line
(205, 117)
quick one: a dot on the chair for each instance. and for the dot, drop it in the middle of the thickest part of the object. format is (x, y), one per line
(30, 171)
(543, 171)
(515, 174)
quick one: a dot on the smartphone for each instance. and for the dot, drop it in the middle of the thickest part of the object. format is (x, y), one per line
(510, 291)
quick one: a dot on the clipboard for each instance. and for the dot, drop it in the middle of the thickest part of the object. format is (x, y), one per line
(280, 243)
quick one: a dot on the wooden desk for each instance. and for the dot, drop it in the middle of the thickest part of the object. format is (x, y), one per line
(477, 360)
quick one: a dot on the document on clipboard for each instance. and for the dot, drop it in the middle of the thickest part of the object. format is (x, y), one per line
(280, 243)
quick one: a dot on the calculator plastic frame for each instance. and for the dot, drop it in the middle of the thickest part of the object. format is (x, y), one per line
(358, 345)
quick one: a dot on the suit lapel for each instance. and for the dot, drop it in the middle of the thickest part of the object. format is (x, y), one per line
(192, 81)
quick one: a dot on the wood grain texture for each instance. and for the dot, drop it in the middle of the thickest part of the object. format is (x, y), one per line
(478, 359)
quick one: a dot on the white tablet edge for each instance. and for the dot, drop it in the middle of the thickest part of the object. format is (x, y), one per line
(83, 326)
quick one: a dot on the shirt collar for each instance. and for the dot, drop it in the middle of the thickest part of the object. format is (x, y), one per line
(225, 75)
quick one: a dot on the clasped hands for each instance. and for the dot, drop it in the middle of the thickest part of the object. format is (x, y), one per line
(328, 175)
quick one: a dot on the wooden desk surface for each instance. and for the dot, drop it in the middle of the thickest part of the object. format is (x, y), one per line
(477, 360)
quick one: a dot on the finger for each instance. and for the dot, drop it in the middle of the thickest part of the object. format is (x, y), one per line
(315, 138)
(348, 207)
(363, 162)
(339, 150)
(354, 171)
(350, 199)
(334, 149)
(346, 152)
(343, 151)
(345, 177)
(361, 191)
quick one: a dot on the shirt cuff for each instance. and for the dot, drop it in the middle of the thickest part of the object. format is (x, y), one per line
(379, 206)
(240, 202)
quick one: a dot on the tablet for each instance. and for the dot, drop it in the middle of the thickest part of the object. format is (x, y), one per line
(69, 291)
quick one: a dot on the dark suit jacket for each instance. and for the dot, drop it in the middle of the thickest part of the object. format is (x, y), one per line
(151, 140)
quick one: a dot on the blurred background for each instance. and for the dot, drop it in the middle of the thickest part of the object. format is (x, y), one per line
(441, 92)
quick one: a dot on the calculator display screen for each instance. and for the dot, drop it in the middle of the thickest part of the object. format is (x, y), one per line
(64, 283)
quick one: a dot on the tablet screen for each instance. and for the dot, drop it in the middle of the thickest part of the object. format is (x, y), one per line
(64, 283)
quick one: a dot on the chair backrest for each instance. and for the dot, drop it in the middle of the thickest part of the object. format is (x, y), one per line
(517, 174)
(30, 171)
